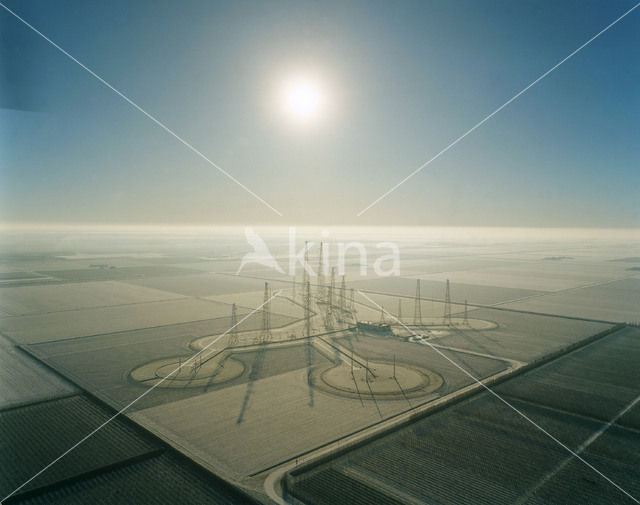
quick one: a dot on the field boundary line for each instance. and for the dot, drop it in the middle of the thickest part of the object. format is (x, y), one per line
(495, 306)
(121, 411)
(496, 395)
(580, 449)
(285, 470)
(568, 413)
(83, 476)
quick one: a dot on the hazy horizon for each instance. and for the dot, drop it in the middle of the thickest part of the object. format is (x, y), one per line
(224, 241)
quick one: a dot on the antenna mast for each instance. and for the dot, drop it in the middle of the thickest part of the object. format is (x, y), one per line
(417, 308)
(266, 315)
(447, 305)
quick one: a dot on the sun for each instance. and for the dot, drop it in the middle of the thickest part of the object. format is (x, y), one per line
(302, 99)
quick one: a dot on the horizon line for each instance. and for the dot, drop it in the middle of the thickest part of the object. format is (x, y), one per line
(56, 226)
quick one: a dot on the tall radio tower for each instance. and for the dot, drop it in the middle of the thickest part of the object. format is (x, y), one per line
(352, 304)
(447, 305)
(343, 289)
(307, 308)
(233, 333)
(305, 274)
(417, 308)
(320, 289)
(266, 315)
(329, 318)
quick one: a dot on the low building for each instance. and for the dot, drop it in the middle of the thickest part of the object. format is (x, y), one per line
(374, 327)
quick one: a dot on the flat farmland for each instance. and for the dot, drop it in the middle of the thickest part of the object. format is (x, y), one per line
(540, 275)
(24, 300)
(79, 323)
(615, 453)
(17, 275)
(421, 265)
(617, 301)
(596, 381)
(33, 263)
(101, 364)
(202, 284)
(116, 273)
(163, 479)
(419, 355)
(38, 281)
(279, 422)
(367, 311)
(248, 427)
(227, 265)
(24, 380)
(486, 295)
(35, 435)
(282, 304)
(520, 336)
(118, 464)
(14, 279)
(267, 414)
(632, 417)
(478, 452)
(114, 328)
(481, 451)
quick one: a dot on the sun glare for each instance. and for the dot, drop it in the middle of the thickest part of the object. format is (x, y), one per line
(302, 99)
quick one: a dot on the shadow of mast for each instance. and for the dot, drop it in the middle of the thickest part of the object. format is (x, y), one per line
(256, 368)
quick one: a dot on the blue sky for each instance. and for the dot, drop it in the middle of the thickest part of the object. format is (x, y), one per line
(402, 80)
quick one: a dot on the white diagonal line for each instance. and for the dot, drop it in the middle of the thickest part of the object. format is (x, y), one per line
(478, 381)
(140, 397)
(580, 449)
(477, 125)
(152, 118)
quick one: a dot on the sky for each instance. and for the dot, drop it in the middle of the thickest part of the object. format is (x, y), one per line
(399, 82)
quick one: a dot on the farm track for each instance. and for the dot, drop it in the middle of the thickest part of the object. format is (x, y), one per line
(120, 460)
(480, 451)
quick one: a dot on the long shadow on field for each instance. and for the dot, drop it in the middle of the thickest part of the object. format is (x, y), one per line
(475, 344)
(348, 339)
(308, 348)
(355, 382)
(253, 376)
(216, 372)
(375, 402)
(403, 393)
(457, 358)
(485, 336)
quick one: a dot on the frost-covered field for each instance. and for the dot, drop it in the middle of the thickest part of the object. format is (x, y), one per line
(482, 451)
(617, 301)
(24, 300)
(96, 309)
(94, 321)
(24, 380)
